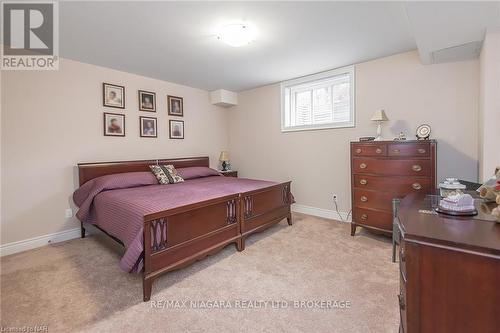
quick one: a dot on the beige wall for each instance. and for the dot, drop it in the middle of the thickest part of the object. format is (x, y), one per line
(489, 105)
(444, 96)
(53, 120)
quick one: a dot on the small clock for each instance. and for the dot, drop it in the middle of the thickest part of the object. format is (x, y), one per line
(423, 132)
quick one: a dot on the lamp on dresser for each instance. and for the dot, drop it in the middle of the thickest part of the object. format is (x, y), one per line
(384, 170)
(379, 116)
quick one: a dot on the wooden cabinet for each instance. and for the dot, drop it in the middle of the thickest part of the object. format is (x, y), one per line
(449, 268)
(383, 170)
(230, 173)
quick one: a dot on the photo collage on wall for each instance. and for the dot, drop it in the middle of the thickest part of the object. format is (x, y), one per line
(113, 96)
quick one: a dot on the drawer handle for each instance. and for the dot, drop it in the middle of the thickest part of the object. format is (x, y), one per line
(421, 150)
(395, 151)
(416, 168)
(363, 198)
(364, 217)
(378, 150)
(401, 301)
(358, 151)
(363, 182)
(416, 186)
(362, 166)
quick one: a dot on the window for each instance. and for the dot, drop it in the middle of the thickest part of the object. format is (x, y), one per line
(324, 100)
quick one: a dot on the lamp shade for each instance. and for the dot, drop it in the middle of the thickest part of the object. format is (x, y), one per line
(379, 116)
(224, 156)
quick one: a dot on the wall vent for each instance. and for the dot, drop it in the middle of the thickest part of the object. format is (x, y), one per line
(462, 52)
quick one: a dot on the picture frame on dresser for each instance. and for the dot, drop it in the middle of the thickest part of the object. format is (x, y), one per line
(384, 170)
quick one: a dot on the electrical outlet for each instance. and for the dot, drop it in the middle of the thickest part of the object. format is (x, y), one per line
(68, 213)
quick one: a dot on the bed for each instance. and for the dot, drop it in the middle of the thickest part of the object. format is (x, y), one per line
(167, 227)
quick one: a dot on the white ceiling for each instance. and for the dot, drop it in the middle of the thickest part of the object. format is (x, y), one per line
(175, 41)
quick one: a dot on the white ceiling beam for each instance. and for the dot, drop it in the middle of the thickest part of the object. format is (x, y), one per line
(450, 31)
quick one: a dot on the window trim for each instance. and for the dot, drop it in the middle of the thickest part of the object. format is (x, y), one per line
(316, 77)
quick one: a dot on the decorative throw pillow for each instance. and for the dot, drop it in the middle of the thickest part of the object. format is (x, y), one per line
(197, 172)
(166, 174)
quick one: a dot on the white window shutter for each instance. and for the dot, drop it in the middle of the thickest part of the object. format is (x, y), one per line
(324, 100)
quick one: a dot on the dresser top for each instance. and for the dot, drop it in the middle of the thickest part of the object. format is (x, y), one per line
(478, 233)
(392, 141)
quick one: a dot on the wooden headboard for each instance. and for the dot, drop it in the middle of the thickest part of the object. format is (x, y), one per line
(88, 171)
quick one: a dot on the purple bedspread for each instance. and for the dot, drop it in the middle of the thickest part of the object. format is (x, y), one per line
(117, 203)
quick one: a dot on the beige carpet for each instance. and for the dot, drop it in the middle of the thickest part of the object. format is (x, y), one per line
(78, 286)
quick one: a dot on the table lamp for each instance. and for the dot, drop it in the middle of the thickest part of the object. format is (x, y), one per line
(224, 157)
(379, 116)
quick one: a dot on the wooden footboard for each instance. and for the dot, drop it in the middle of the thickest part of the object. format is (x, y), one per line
(263, 208)
(180, 236)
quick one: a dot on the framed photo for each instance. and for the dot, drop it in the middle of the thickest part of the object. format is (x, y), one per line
(148, 127)
(113, 96)
(176, 129)
(147, 101)
(175, 106)
(114, 124)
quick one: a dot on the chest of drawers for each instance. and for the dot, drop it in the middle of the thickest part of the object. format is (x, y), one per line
(449, 268)
(383, 170)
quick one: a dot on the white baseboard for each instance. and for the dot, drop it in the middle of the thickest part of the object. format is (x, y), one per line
(321, 212)
(33, 243)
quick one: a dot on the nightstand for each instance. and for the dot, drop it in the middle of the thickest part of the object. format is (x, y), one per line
(229, 173)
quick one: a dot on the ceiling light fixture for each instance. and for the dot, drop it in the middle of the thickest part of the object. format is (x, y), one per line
(237, 34)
